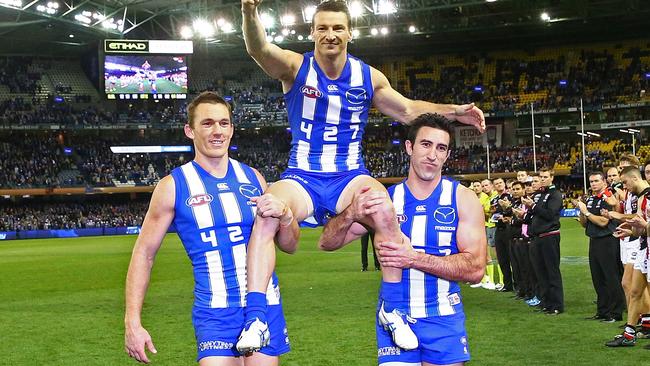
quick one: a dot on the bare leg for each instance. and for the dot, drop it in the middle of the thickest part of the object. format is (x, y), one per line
(260, 359)
(221, 361)
(383, 223)
(261, 249)
(260, 262)
(637, 292)
(626, 281)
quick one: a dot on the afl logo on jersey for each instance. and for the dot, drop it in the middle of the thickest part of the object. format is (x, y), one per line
(249, 190)
(311, 92)
(199, 200)
(401, 218)
(445, 215)
(356, 95)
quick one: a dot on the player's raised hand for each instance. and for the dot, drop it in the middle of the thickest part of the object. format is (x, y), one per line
(135, 340)
(367, 202)
(527, 201)
(583, 208)
(505, 203)
(249, 5)
(470, 114)
(620, 193)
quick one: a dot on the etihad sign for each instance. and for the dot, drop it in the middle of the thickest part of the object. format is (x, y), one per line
(148, 46)
(126, 46)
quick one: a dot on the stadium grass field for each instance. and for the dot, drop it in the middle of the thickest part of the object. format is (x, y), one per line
(62, 303)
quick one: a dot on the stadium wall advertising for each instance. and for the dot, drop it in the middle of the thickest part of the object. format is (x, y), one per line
(72, 233)
(146, 46)
(470, 136)
(131, 230)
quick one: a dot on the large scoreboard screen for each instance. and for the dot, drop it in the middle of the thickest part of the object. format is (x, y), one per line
(146, 69)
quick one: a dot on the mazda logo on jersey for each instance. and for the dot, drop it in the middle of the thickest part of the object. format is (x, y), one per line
(199, 200)
(311, 92)
(445, 215)
(356, 95)
(249, 190)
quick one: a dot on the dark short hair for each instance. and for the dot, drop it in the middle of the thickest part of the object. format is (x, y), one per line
(334, 6)
(631, 171)
(518, 183)
(547, 169)
(599, 173)
(206, 97)
(432, 120)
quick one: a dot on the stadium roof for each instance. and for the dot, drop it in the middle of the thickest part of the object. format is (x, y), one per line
(59, 27)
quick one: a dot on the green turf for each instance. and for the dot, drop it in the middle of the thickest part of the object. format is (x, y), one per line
(61, 303)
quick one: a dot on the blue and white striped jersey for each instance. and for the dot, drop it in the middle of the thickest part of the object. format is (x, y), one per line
(214, 218)
(327, 117)
(431, 225)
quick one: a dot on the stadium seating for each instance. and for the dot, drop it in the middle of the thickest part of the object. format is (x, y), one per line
(500, 81)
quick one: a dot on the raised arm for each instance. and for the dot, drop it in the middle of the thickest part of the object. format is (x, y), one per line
(155, 225)
(467, 265)
(614, 201)
(393, 104)
(276, 62)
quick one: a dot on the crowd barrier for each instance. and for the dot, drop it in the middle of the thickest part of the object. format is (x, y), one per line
(71, 233)
(127, 230)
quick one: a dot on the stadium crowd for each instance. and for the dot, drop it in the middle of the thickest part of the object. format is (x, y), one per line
(39, 216)
(89, 160)
(506, 83)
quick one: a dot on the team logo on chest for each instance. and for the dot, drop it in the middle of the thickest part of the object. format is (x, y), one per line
(311, 92)
(199, 200)
(356, 95)
(249, 190)
(445, 215)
